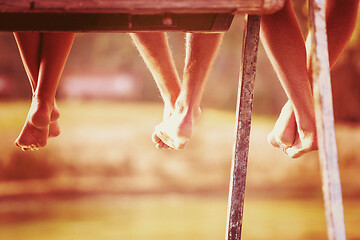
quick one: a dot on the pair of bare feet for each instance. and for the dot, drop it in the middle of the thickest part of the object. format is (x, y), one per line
(177, 126)
(289, 137)
(181, 97)
(41, 123)
(43, 55)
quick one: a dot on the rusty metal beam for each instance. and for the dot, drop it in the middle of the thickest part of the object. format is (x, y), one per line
(243, 125)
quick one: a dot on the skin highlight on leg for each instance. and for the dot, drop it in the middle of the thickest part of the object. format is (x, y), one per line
(155, 50)
(201, 50)
(42, 119)
(29, 47)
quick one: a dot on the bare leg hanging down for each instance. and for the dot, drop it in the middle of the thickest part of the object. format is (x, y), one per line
(44, 56)
(288, 133)
(201, 50)
(286, 50)
(177, 127)
(155, 50)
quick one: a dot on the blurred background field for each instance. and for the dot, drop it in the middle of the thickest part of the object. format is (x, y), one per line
(102, 178)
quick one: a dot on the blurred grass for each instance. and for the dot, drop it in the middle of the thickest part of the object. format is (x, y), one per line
(112, 141)
(102, 178)
(165, 217)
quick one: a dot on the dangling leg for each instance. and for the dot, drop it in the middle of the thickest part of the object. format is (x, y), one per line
(201, 50)
(54, 49)
(282, 38)
(341, 19)
(154, 49)
(29, 44)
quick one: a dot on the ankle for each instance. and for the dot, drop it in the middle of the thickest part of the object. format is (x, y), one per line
(186, 105)
(55, 114)
(40, 112)
(169, 101)
(43, 102)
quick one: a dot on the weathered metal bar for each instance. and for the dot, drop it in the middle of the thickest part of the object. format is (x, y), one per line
(243, 125)
(142, 6)
(325, 122)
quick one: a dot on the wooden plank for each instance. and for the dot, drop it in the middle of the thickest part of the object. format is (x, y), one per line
(325, 122)
(142, 6)
(113, 22)
(127, 15)
(243, 125)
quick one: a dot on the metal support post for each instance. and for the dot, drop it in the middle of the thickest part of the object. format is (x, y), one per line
(243, 125)
(325, 122)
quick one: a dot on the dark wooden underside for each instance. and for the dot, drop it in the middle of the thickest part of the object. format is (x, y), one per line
(114, 22)
(143, 6)
(127, 15)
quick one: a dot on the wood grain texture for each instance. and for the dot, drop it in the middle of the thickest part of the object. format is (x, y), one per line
(142, 6)
(325, 122)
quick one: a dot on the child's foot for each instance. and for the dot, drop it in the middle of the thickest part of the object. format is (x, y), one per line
(176, 129)
(36, 129)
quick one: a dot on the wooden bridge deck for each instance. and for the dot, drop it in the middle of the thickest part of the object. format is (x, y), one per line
(127, 15)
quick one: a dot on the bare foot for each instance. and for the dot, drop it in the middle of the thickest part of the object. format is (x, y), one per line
(305, 142)
(54, 127)
(176, 129)
(284, 132)
(168, 111)
(31, 137)
(289, 137)
(36, 128)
